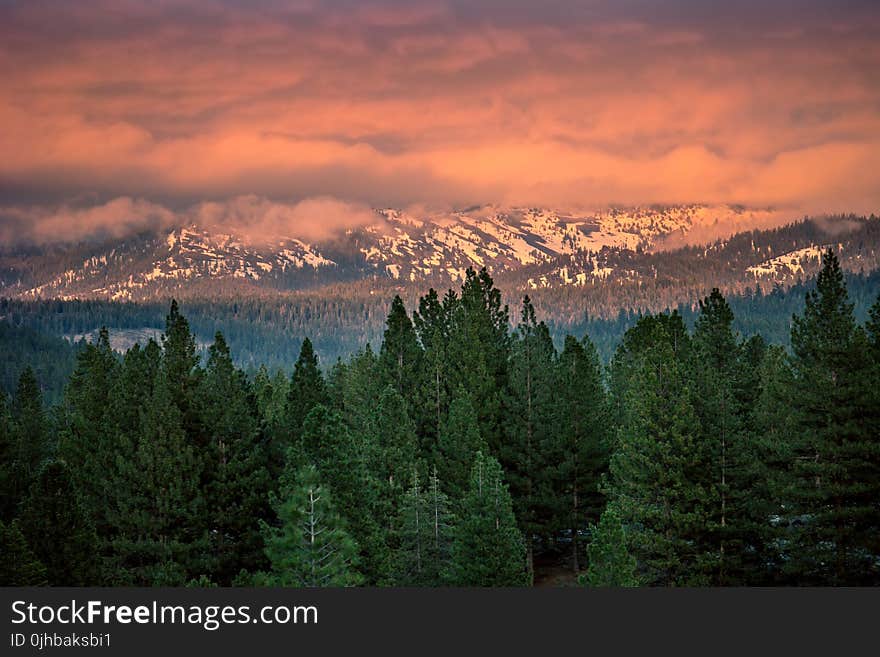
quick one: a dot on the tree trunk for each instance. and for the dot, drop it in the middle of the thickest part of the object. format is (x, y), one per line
(437, 388)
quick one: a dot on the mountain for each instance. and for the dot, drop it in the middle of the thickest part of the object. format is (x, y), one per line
(143, 266)
(418, 248)
(266, 297)
(400, 247)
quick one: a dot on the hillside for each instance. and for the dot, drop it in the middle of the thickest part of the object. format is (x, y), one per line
(399, 248)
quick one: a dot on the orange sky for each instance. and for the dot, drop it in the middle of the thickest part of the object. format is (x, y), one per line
(164, 105)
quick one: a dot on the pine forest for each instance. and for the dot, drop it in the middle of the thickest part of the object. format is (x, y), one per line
(474, 447)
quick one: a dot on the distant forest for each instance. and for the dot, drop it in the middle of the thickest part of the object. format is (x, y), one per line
(460, 451)
(269, 331)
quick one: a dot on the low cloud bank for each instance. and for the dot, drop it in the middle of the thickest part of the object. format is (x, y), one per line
(254, 218)
(259, 220)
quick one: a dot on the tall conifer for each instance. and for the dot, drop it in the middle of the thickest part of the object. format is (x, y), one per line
(30, 444)
(488, 548)
(400, 358)
(836, 471)
(657, 469)
(310, 547)
(578, 448)
(235, 465)
(307, 390)
(530, 426)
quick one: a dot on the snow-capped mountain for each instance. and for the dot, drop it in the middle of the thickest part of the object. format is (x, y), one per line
(400, 247)
(409, 247)
(136, 268)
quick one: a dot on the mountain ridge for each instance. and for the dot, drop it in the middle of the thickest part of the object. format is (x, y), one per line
(400, 246)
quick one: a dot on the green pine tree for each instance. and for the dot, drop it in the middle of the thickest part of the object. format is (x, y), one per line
(871, 409)
(459, 439)
(488, 548)
(734, 471)
(356, 392)
(577, 455)
(433, 324)
(133, 382)
(442, 523)
(872, 328)
(271, 392)
(400, 358)
(30, 441)
(91, 422)
(835, 481)
(271, 398)
(342, 459)
(311, 546)
(479, 352)
(157, 506)
(236, 483)
(392, 452)
(530, 426)
(657, 469)
(307, 390)
(773, 431)
(628, 358)
(181, 362)
(7, 462)
(424, 535)
(610, 562)
(395, 445)
(19, 565)
(58, 529)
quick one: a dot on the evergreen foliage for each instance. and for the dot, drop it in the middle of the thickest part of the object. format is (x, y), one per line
(158, 509)
(658, 468)
(7, 461)
(610, 562)
(235, 468)
(91, 421)
(307, 390)
(343, 461)
(459, 440)
(29, 441)
(578, 450)
(424, 535)
(57, 529)
(835, 469)
(400, 356)
(310, 547)
(488, 548)
(699, 457)
(529, 425)
(19, 565)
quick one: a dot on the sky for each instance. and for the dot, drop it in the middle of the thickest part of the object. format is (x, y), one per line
(117, 114)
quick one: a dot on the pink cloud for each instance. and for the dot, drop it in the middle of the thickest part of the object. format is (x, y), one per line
(251, 217)
(391, 105)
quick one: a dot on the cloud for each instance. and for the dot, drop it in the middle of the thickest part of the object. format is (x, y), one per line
(117, 218)
(723, 223)
(450, 103)
(260, 220)
(250, 217)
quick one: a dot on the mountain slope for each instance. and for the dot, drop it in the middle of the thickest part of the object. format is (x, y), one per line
(401, 247)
